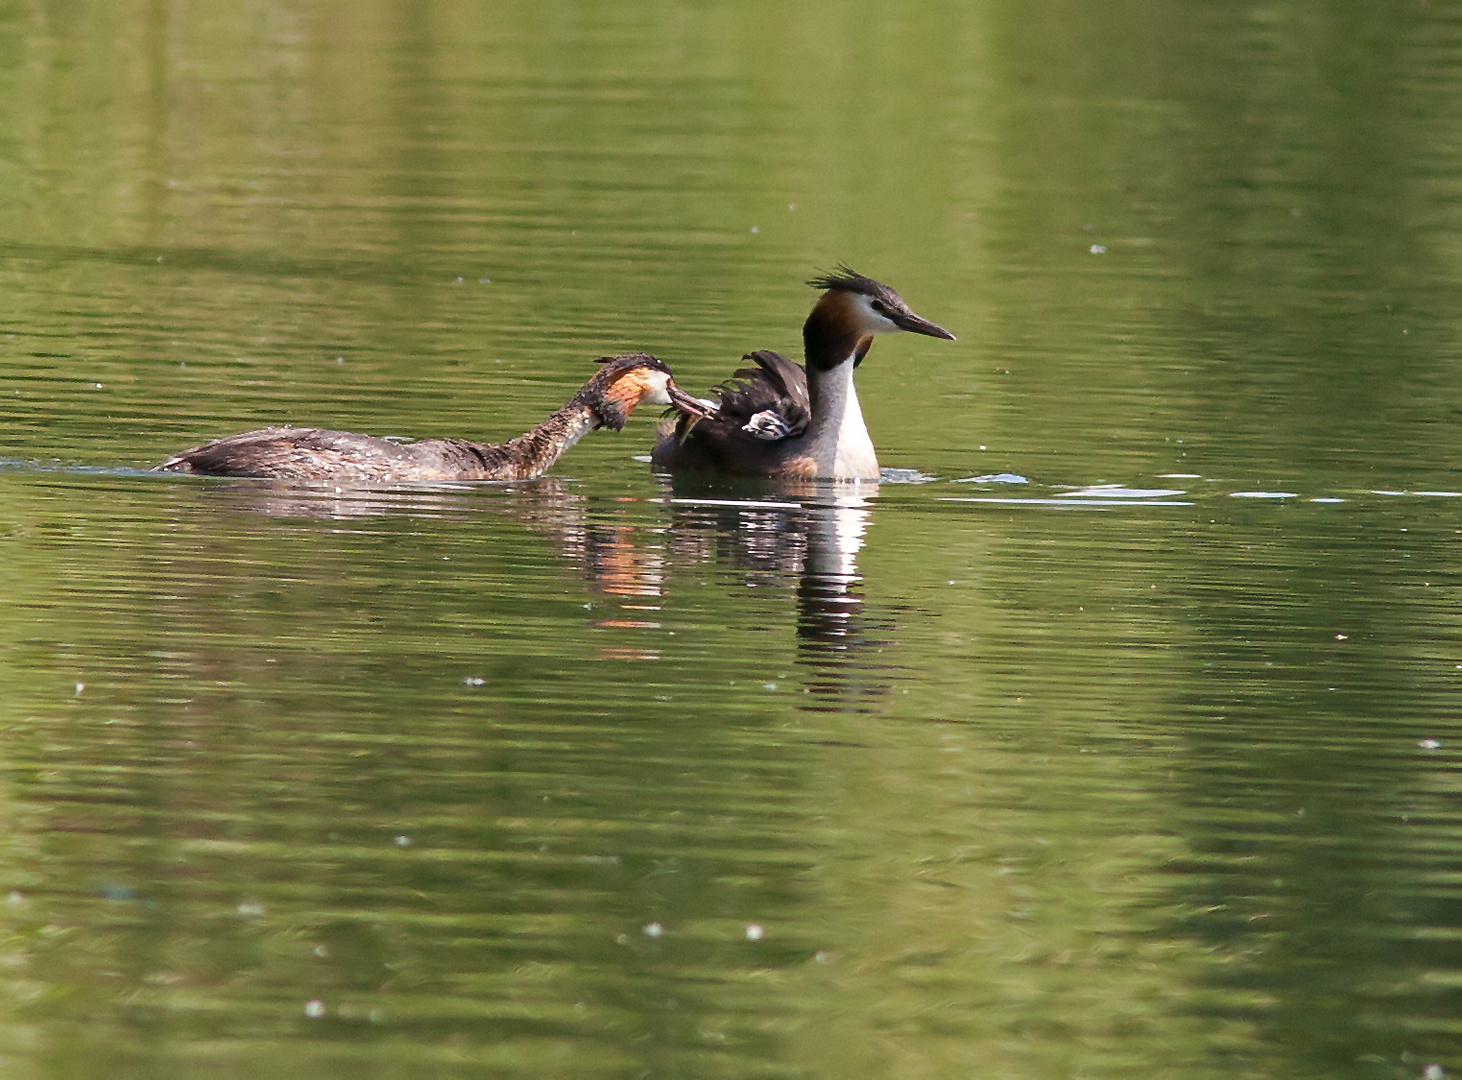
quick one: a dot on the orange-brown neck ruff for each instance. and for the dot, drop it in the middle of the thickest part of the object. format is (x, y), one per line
(626, 392)
(835, 331)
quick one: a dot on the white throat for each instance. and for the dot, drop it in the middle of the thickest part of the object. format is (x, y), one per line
(839, 441)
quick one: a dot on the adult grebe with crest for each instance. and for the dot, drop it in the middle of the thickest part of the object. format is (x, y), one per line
(779, 419)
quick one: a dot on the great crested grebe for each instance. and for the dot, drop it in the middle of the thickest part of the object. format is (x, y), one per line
(779, 419)
(293, 453)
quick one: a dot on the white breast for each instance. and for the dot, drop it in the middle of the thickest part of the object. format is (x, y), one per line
(839, 441)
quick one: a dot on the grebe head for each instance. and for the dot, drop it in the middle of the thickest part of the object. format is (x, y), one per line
(866, 306)
(854, 308)
(626, 382)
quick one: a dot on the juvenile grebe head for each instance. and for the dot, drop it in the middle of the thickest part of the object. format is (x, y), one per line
(852, 310)
(626, 382)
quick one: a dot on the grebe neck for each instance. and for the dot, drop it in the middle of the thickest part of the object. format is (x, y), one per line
(838, 438)
(537, 449)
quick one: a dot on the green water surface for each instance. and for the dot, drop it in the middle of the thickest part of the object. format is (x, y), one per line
(1112, 736)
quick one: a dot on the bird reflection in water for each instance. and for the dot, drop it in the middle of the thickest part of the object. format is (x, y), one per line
(629, 554)
(811, 531)
(619, 560)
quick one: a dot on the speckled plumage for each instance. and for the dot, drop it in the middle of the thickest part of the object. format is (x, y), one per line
(295, 453)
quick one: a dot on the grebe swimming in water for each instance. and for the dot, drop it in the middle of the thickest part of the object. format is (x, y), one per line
(780, 419)
(293, 453)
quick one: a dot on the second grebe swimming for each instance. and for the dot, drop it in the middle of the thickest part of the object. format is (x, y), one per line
(292, 453)
(780, 419)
